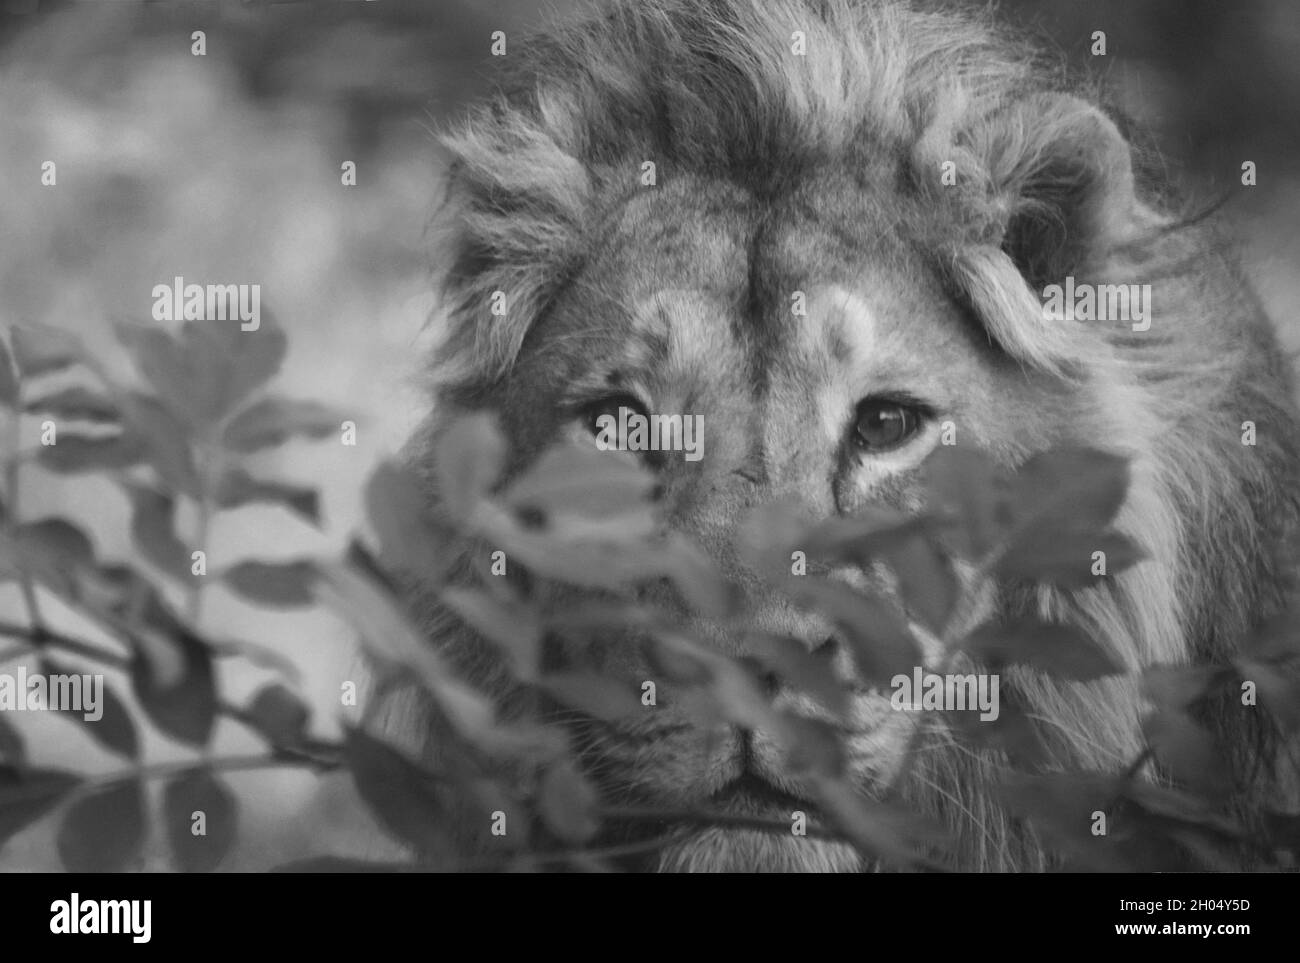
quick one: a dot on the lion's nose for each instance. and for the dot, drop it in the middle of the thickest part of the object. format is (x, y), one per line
(768, 680)
(828, 649)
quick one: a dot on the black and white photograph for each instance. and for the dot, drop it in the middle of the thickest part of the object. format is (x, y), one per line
(453, 438)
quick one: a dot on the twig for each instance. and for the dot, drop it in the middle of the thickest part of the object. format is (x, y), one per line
(8, 655)
(202, 529)
(22, 793)
(39, 637)
(319, 753)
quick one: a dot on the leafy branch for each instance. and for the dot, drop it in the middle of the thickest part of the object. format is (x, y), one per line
(503, 560)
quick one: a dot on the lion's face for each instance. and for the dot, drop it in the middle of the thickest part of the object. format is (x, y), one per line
(832, 398)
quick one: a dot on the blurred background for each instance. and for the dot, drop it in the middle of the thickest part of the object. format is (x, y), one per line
(226, 168)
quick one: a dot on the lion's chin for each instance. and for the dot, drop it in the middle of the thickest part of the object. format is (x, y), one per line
(724, 850)
(728, 849)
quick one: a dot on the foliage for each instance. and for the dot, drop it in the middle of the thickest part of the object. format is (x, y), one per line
(583, 519)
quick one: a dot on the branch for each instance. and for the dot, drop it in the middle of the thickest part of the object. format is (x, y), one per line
(314, 752)
(21, 793)
(38, 636)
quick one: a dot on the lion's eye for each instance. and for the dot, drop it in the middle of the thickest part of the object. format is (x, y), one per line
(884, 424)
(607, 414)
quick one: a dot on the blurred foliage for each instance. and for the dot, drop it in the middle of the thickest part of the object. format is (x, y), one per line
(1215, 78)
(579, 517)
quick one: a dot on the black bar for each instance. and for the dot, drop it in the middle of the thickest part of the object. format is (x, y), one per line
(467, 914)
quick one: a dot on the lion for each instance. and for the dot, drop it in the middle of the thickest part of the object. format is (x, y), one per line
(656, 188)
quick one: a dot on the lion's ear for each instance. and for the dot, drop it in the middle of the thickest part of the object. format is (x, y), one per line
(1061, 171)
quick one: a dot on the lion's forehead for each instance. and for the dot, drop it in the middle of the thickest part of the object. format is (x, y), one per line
(714, 280)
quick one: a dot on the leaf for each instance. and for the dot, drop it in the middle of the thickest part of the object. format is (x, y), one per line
(57, 541)
(388, 636)
(1012, 732)
(879, 830)
(926, 581)
(813, 747)
(509, 623)
(38, 349)
(1176, 804)
(469, 458)
(103, 832)
(273, 421)
(872, 532)
(408, 538)
(793, 662)
(969, 485)
(157, 356)
(114, 729)
(187, 708)
(1060, 807)
(408, 800)
(1065, 558)
(1079, 489)
(203, 374)
(54, 550)
(262, 656)
(8, 380)
(1175, 687)
(580, 479)
(76, 403)
(1063, 503)
(275, 584)
(154, 535)
(73, 454)
(735, 694)
(1278, 694)
(197, 790)
(567, 803)
(124, 592)
(237, 488)
(1061, 651)
(596, 695)
(613, 564)
(771, 531)
(1187, 752)
(245, 360)
(280, 715)
(880, 640)
(28, 794)
(166, 442)
(13, 751)
(188, 386)
(1277, 638)
(696, 577)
